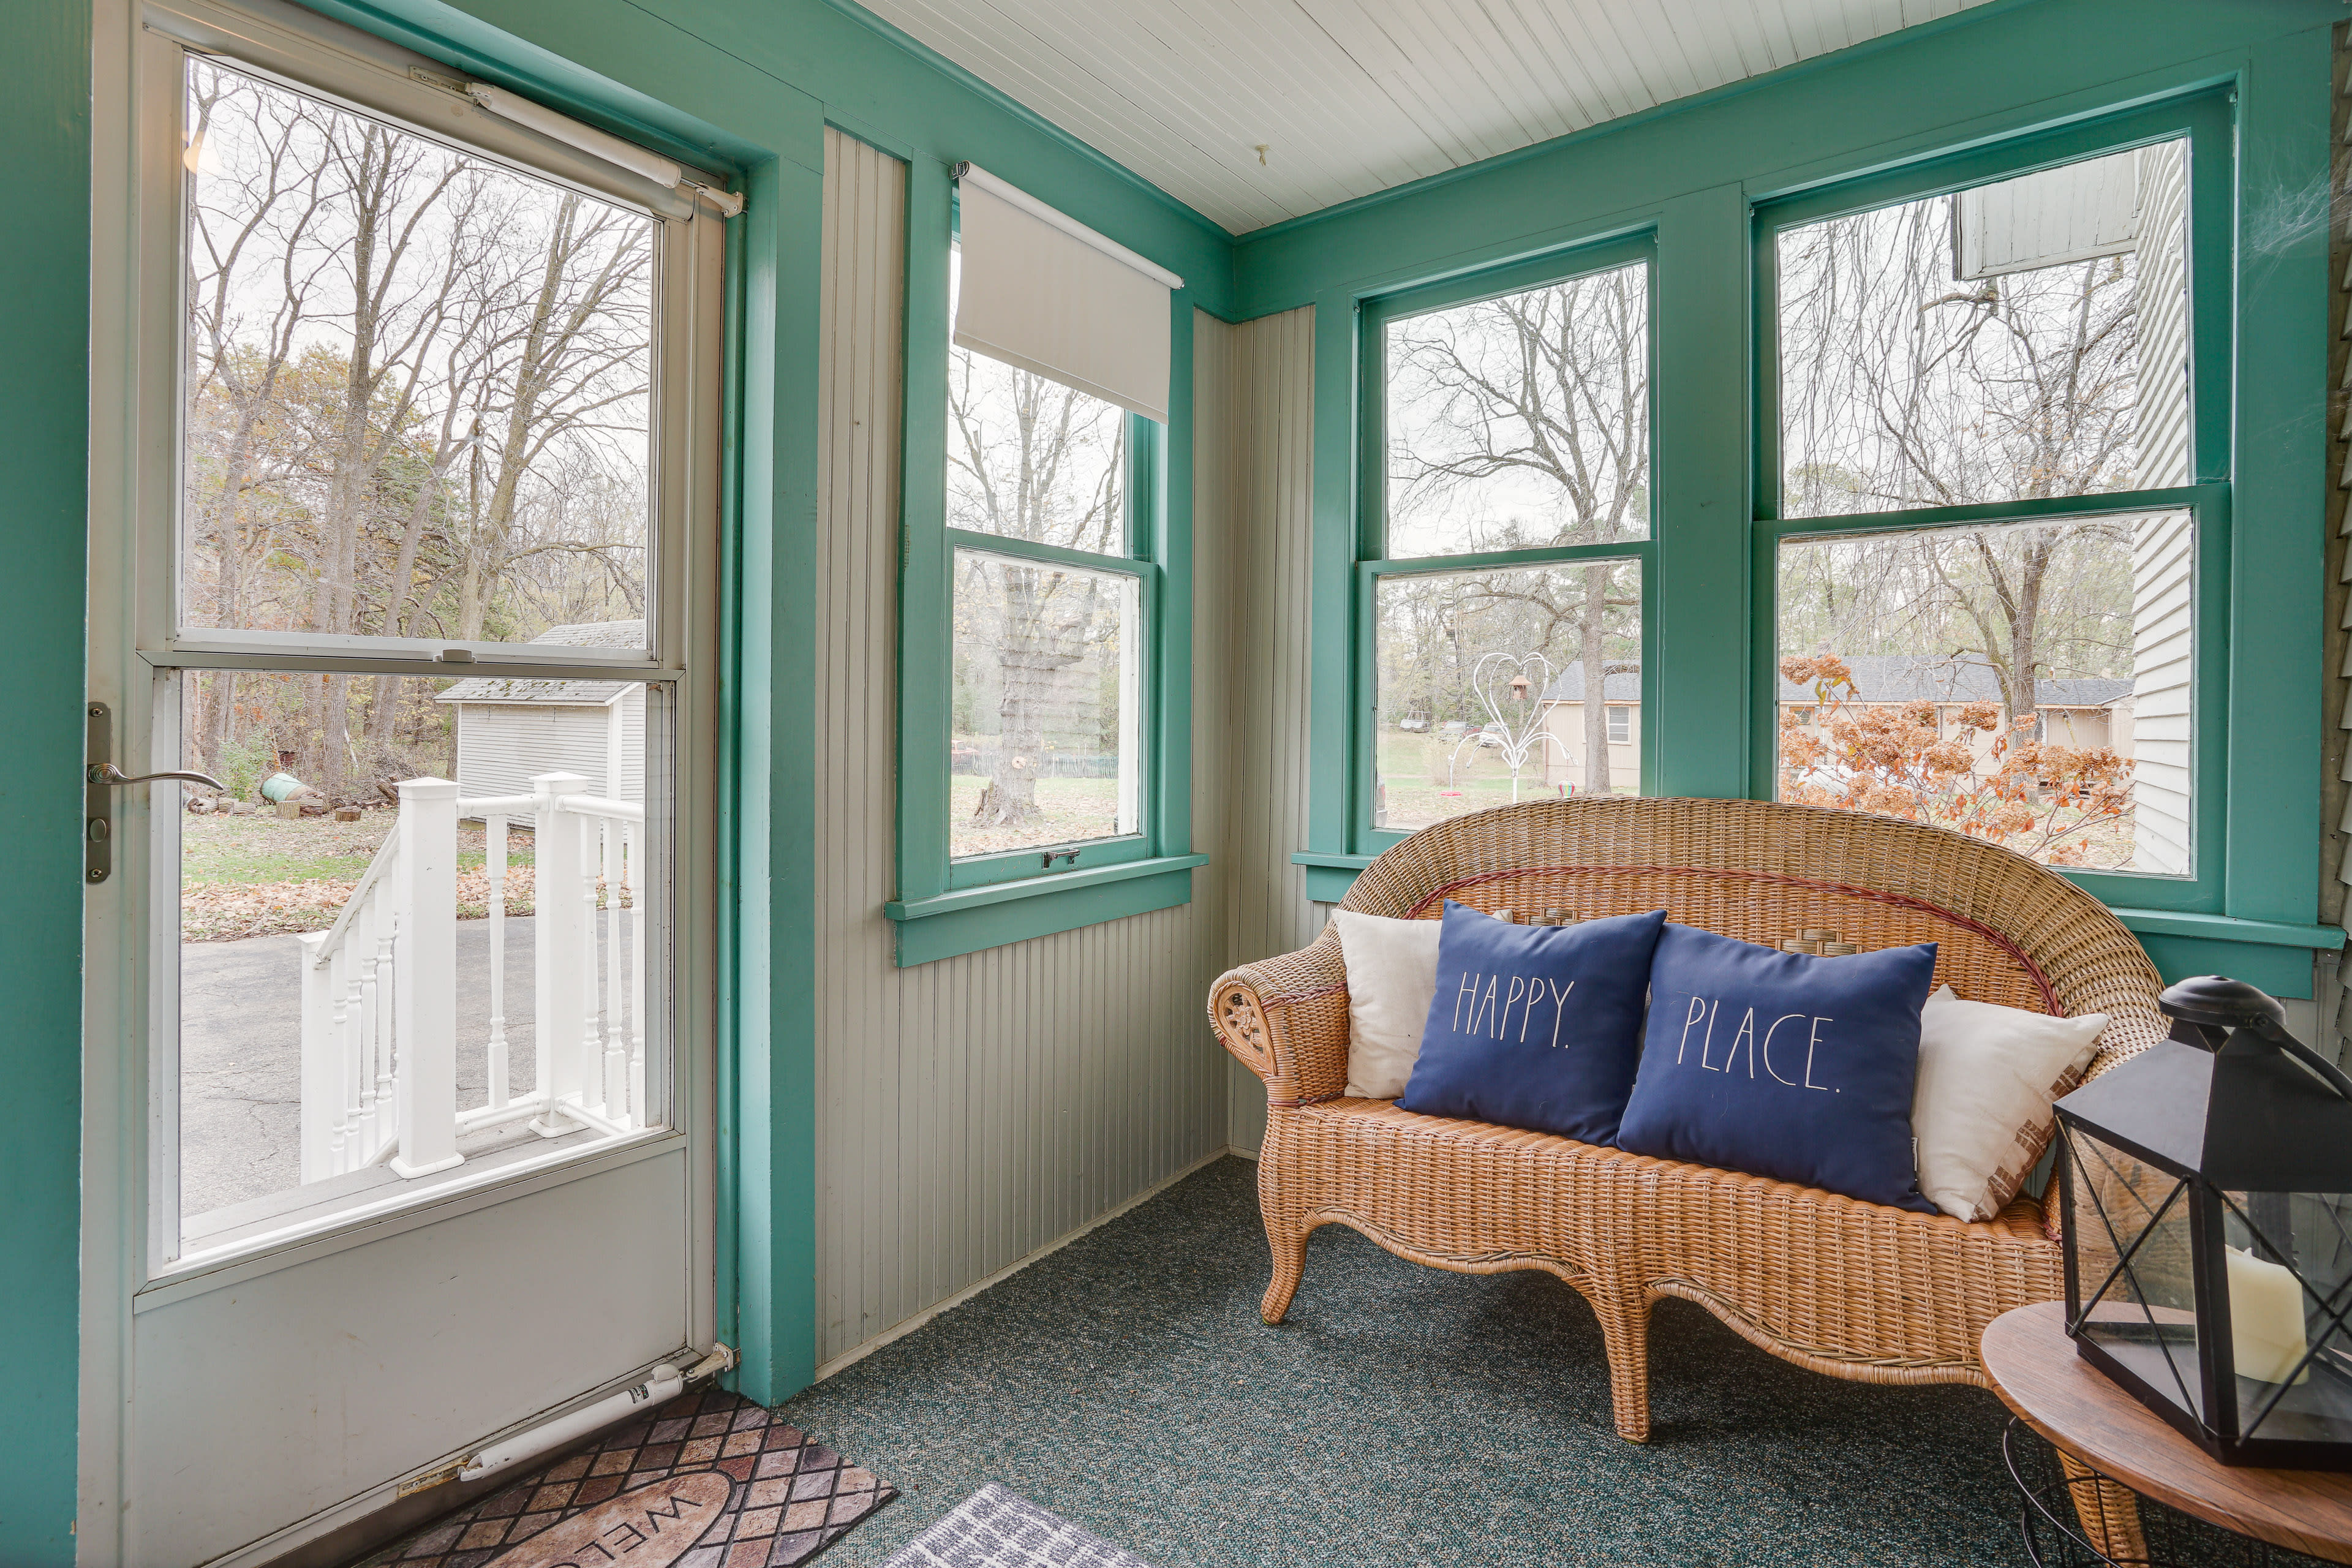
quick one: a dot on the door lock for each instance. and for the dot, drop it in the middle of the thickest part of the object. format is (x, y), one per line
(100, 777)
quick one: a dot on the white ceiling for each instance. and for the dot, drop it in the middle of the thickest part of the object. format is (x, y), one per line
(1349, 97)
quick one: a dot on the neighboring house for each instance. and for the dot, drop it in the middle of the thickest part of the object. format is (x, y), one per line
(1563, 715)
(2074, 713)
(508, 730)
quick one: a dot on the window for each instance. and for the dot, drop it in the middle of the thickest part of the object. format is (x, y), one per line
(1046, 729)
(1504, 540)
(433, 609)
(1043, 722)
(2021, 346)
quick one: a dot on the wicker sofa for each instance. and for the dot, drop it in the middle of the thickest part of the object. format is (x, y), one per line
(1852, 1290)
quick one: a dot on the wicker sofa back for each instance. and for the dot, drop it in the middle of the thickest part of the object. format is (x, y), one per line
(1849, 1289)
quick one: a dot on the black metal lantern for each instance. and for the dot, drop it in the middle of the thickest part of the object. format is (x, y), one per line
(2208, 1190)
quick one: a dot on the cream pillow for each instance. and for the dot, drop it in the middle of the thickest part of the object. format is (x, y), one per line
(1980, 1114)
(1391, 978)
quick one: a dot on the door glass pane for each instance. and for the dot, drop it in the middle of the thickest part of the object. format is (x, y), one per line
(1031, 458)
(416, 382)
(2020, 339)
(1521, 422)
(1486, 688)
(2027, 683)
(1046, 706)
(384, 984)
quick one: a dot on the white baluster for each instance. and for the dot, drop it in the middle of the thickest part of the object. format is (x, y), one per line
(342, 1083)
(424, 1006)
(382, 1018)
(636, 839)
(359, 1035)
(564, 992)
(320, 1079)
(494, 866)
(592, 1028)
(616, 1034)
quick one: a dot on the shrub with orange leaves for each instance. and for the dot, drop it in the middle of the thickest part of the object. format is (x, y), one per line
(1968, 773)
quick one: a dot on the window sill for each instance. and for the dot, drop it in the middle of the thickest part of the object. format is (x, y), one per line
(1328, 876)
(969, 919)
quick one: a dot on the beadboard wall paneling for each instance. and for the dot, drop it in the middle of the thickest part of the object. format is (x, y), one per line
(974, 1110)
(1263, 372)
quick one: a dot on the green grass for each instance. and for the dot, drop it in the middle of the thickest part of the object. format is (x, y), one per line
(238, 851)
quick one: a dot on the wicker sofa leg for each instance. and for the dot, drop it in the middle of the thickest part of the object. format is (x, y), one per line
(1286, 1238)
(1626, 1335)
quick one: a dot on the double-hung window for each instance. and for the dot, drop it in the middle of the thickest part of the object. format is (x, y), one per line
(1503, 541)
(1992, 470)
(1042, 721)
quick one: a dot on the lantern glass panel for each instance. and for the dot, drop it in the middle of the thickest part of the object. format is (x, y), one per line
(2290, 1271)
(2135, 1270)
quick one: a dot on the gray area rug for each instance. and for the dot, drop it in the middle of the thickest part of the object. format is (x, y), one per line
(994, 1529)
(1402, 1418)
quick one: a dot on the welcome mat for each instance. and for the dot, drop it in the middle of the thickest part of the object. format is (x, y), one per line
(997, 1529)
(708, 1480)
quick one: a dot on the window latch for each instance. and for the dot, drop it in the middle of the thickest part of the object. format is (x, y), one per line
(1053, 854)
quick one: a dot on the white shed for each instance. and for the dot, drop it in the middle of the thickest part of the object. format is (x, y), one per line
(508, 730)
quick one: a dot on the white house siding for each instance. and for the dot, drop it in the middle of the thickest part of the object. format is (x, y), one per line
(501, 745)
(974, 1110)
(1254, 391)
(2162, 554)
(629, 744)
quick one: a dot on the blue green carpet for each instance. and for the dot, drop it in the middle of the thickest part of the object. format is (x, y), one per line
(1401, 1416)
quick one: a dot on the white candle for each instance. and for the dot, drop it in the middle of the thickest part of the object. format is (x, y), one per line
(2265, 1318)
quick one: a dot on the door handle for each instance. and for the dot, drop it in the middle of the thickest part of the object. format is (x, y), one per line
(108, 774)
(100, 777)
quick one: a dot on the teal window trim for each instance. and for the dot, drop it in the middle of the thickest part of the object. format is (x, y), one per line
(2204, 120)
(946, 906)
(1372, 563)
(2257, 345)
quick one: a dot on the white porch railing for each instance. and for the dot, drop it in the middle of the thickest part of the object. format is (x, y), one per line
(380, 1029)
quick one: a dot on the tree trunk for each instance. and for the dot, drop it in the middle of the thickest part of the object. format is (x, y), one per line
(1592, 650)
(1009, 799)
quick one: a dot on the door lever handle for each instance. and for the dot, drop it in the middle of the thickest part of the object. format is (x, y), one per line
(99, 777)
(108, 774)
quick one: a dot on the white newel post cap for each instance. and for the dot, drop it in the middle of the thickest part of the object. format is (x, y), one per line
(425, 789)
(559, 784)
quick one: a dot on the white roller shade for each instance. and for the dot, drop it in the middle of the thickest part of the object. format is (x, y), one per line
(1043, 291)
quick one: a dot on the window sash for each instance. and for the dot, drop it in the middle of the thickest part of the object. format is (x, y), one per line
(2203, 120)
(1365, 838)
(681, 346)
(2209, 505)
(1115, 849)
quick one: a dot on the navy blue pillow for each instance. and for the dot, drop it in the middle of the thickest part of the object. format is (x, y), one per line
(1535, 1027)
(1783, 1065)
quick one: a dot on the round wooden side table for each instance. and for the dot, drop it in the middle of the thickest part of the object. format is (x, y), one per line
(2115, 1450)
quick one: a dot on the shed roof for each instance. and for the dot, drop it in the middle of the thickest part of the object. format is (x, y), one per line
(1885, 678)
(557, 693)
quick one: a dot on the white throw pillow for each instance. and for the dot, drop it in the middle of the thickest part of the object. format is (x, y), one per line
(1391, 978)
(1980, 1114)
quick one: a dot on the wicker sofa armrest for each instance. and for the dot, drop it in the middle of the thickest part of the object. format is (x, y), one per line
(1285, 1019)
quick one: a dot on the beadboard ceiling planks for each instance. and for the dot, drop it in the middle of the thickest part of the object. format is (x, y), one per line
(1351, 97)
